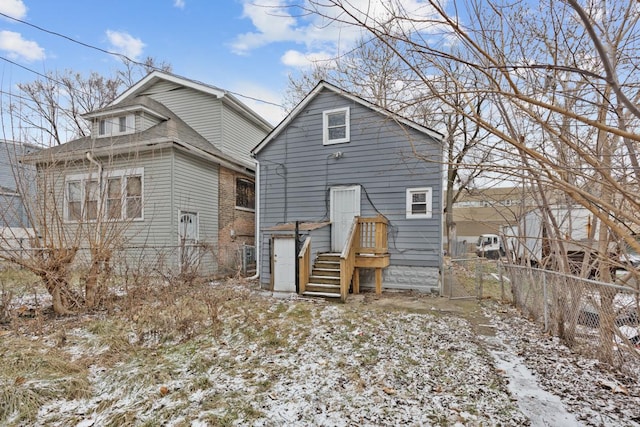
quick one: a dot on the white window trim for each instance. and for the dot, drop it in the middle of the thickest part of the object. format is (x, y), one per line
(197, 216)
(325, 126)
(112, 125)
(429, 201)
(102, 202)
(242, 208)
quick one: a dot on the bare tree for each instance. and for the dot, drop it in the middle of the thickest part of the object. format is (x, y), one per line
(63, 221)
(560, 88)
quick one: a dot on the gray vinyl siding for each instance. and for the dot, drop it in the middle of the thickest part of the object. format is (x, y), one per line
(195, 189)
(201, 111)
(229, 130)
(172, 181)
(145, 121)
(239, 136)
(297, 171)
(16, 182)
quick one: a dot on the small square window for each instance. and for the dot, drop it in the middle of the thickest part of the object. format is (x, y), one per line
(336, 126)
(419, 202)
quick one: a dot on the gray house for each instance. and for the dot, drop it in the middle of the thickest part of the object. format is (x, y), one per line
(15, 179)
(348, 193)
(165, 177)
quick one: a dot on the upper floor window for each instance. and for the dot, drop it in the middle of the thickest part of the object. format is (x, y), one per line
(122, 124)
(117, 197)
(245, 194)
(419, 202)
(119, 125)
(335, 126)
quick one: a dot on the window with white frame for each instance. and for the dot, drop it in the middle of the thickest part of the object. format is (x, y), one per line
(335, 126)
(419, 202)
(245, 194)
(102, 127)
(119, 125)
(117, 197)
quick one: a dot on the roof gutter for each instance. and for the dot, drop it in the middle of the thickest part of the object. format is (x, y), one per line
(147, 145)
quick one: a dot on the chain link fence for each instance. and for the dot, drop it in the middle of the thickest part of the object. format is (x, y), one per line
(473, 277)
(598, 319)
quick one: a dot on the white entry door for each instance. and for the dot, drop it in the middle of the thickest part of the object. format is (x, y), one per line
(284, 264)
(188, 240)
(345, 205)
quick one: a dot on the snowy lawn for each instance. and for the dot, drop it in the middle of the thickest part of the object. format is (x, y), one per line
(223, 354)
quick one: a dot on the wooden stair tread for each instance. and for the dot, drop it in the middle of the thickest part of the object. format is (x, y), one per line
(323, 285)
(321, 294)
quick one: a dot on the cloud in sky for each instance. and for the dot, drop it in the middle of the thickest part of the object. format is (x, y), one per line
(19, 48)
(180, 4)
(125, 44)
(272, 113)
(296, 59)
(325, 33)
(14, 8)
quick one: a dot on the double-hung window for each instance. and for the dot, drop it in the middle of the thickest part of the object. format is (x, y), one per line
(119, 125)
(118, 196)
(335, 126)
(419, 202)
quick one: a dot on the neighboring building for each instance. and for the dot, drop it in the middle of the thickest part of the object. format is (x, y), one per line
(166, 171)
(16, 192)
(16, 181)
(336, 157)
(484, 211)
(487, 210)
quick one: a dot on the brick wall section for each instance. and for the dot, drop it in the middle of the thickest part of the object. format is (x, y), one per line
(235, 226)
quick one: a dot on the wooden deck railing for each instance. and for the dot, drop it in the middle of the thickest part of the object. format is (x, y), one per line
(373, 235)
(348, 259)
(367, 237)
(304, 265)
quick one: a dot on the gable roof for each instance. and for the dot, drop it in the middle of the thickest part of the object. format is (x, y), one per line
(171, 130)
(324, 85)
(225, 96)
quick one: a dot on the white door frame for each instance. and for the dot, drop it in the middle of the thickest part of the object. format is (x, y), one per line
(188, 235)
(284, 264)
(343, 208)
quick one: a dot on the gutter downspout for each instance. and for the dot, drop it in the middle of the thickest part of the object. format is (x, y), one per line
(99, 165)
(257, 222)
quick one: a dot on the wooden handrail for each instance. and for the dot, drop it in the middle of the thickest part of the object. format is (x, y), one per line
(348, 259)
(304, 265)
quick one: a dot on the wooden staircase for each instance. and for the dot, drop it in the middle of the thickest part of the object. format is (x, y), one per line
(334, 275)
(324, 280)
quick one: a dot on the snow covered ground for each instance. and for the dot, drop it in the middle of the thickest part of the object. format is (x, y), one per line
(395, 359)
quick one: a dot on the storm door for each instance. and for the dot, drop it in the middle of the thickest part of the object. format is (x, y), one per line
(345, 205)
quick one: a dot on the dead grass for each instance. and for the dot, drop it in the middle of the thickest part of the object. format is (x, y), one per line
(34, 374)
(161, 349)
